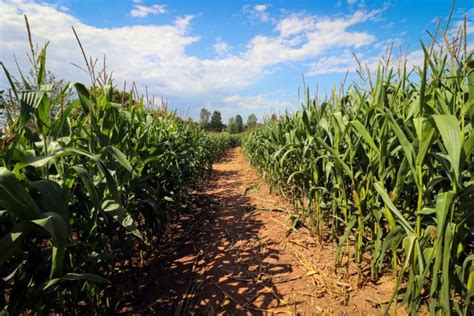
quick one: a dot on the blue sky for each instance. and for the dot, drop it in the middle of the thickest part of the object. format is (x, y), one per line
(234, 56)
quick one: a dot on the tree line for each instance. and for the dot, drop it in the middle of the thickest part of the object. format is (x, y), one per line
(235, 124)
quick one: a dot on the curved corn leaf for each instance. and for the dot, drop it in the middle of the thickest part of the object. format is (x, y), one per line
(448, 127)
(56, 227)
(113, 209)
(384, 195)
(10, 243)
(120, 158)
(14, 198)
(76, 277)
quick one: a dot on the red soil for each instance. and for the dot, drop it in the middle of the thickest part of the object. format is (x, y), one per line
(232, 253)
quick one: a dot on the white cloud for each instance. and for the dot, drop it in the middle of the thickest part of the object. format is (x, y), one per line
(351, 2)
(156, 55)
(260, 7)
(141, 11)
(131, 50)
(301, 37)
(295, 24)
(258, 104)
(333, 64)
(258, 12)
(261, 10)
(183, 23)
(459, 23)
(414, 59)
(221, 47)
(346, 62)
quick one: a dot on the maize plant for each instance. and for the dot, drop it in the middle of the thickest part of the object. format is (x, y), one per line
(83, 178)
(388, 172)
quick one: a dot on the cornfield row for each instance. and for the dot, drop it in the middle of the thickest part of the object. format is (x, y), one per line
(83, 181)
(388, 172)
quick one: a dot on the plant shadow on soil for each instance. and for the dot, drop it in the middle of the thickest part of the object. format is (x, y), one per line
(211, 259)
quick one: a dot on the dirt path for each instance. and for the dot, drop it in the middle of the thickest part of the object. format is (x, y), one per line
(232, 253)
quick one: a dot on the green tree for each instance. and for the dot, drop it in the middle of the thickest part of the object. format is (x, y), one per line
(239, 124)
(251, 121)
(231, 125)
(204, 118)
(216, 122)
(191, 122)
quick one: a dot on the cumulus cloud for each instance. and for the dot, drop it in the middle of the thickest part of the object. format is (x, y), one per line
(333, 64)
(261, 10)
(459, 23)
(184, 23)
(141, 11)
(131, 50)
(156, 55)
(259, 104)
(258, 12)
(221, 47)
(412, 59)
(346, 62)
(301, 37)
(255, 102)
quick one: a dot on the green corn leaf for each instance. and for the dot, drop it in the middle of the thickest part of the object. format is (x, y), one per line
(119, 214)
(120, 158)
(56, 227)
(29, 101)
(347, 231)
(469, 146)
(365, 134)
(15, 199)
(43, 112)
(406, 146)
(448, 127)
(84, 96)
(443, 204)
(111, 182)
(423, 78)
(42, 66)
(10, 81)
(26, 84)
(285, 155)
(34, 161)
(88, 184)
(77, 277)
(338, 159)
(61, 126)
(51, 197)
(384, 195)
(425, 131)
(445, 273)
(10, 243)
(41, 161)
(469, 282)
(470, 77)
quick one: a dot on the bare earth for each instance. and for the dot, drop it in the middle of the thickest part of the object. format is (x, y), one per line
(232, 254)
